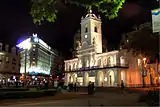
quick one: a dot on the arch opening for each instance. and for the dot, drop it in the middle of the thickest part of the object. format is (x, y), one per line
(100, 78)
(111, 78)
(86, 78)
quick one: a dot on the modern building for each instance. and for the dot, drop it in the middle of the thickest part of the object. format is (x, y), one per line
(36, 56)
(9, 63)
(104, 69)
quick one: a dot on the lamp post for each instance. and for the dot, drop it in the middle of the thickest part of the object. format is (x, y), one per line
(143, 71)
(25, 64)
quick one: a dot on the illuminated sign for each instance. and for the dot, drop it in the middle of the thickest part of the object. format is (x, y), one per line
(156, 20)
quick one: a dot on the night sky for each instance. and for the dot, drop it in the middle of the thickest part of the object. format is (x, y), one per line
(15, 22)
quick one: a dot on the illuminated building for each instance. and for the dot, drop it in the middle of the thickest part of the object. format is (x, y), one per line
(36, 56)
(104, 69)
(9, 62)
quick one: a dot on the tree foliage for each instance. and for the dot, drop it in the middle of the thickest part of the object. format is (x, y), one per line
(143, 41)
(47, 9)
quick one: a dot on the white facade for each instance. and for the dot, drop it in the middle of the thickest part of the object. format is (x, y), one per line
(9, 62)
(104, 69)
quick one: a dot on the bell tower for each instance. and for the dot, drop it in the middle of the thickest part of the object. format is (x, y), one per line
(91, 34)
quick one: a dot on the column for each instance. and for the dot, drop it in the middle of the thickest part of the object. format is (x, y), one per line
(117, 60)
(117, 77)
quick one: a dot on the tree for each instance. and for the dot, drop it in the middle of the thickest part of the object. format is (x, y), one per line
(143, 41)
(48, 9)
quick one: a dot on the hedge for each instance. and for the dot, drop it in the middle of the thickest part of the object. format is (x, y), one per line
(14, 89)
(151, 98)
(26, 94)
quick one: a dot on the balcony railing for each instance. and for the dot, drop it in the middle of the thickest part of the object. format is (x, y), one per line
(118, 65)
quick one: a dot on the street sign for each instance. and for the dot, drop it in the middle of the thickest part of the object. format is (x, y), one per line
(156, 20)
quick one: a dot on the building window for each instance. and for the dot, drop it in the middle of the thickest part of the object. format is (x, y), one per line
(34, 49)
(0, 61)
(13, 61)
(13, 68)
(108, 61)
(7, 60)
(86, 28)
(95, 29)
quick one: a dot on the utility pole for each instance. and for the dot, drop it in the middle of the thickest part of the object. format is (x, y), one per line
(25, 67)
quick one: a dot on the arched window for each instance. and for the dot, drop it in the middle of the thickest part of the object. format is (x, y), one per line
(70, 68)
(86, 28)
(95, 29)
(108, 61)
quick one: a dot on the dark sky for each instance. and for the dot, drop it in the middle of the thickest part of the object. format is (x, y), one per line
(15, 22)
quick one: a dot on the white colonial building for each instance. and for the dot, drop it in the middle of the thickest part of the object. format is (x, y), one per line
(9, 62)
(104, 69)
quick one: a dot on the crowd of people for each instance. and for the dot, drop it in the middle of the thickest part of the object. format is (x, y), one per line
(73, 87)
(27, 84)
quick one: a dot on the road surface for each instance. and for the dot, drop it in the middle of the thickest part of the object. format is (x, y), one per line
(99, 99)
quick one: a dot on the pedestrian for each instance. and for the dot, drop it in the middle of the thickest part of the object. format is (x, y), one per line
(78, 86)
(122, 86)
(71, 87)
(93, 88)
(90, 88)
(75, 87)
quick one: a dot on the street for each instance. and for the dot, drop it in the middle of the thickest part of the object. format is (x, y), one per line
(81, 99)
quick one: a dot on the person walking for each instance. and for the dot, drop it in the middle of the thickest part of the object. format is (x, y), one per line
(122, 86)
(75, 87)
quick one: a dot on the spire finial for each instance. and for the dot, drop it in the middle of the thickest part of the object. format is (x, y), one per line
(90, 11)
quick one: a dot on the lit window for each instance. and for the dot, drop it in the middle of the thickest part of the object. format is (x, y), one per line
(7, 59)
(34, 45)
(34, 49)
(127, 40)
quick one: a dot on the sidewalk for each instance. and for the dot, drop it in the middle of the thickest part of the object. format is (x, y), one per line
(58, 96)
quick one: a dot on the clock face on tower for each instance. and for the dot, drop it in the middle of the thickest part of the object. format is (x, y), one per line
(85, 36)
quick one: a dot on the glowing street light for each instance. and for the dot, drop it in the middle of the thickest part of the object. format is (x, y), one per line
(144, 59)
